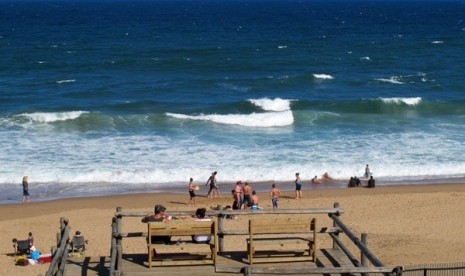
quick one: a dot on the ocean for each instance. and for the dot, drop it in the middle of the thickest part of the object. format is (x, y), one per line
(115, 97)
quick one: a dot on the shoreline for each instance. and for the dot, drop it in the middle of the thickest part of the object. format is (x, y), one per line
(141, 200)
(119, 189)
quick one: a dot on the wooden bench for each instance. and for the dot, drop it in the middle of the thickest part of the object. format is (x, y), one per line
(279, 233)
(183, 228)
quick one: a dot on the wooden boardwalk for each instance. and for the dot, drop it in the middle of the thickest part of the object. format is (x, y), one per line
(228, 263)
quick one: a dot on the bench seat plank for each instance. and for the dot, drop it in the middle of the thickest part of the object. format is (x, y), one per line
(181, 229)
(263, 233)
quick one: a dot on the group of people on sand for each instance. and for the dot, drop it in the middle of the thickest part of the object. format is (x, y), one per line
(244, 197)
(354, 181)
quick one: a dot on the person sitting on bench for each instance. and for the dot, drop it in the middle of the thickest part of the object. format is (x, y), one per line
(200, 216)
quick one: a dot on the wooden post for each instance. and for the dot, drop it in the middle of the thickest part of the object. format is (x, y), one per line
(363, 259)
(336, 206)
(59, 238)
(119, 240)
(113, 247)
(220, 219)
(247, 271)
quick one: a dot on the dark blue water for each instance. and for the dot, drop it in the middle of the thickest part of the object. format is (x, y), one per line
(101, 97)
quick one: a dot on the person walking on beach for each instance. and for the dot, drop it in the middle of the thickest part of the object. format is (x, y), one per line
(25, 189)
(298, 187)
(274, 196)
(191, 187)
(213, 185)
(367, 171)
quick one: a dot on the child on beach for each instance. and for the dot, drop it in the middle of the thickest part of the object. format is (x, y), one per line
(274, 196)
(298, 187)
(254, 200)
(31, 239)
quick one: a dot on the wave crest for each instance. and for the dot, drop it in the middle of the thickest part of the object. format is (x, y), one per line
(323, 76)
(44, 117)
(276, 104)
(398, 100)
(267, 119)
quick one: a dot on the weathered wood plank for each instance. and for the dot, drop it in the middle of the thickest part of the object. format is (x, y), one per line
(312, 211)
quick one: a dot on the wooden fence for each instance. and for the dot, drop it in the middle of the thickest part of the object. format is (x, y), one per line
(60, 252)
(360, 266)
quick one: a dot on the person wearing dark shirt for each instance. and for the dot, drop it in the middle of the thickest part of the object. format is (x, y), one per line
(371, 182)
(159, 216)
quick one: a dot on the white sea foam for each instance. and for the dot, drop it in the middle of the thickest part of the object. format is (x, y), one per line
(365, 58)
(276, 104)
(437, 42)
(66, 164)
(282, 46)
(323, 76)
(267, 119)
(408, 101)
(65, 81)
(43, 117)
(393, 80)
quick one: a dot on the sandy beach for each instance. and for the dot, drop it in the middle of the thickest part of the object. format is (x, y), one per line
(405, 224)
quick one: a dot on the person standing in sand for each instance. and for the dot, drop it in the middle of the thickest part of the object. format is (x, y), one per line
(191, 192)
(213, 185)
(298, 187)
(238, 193)
(274, 196)
(247, 191)
(25, 189)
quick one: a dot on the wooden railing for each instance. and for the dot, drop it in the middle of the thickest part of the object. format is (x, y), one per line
(442, 269)
(60, 252)
(334, 231)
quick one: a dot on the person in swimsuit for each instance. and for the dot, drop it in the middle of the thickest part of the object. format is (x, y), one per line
(238, 193)
(274, 196)
(25, 189)
(315, 180)
(213, 185)
(254, 200)
(191, 192)
(367, 172)
(247, 202)
(326, 177)
(298, 187)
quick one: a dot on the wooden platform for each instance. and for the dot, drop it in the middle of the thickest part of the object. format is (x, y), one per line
(228, 262)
